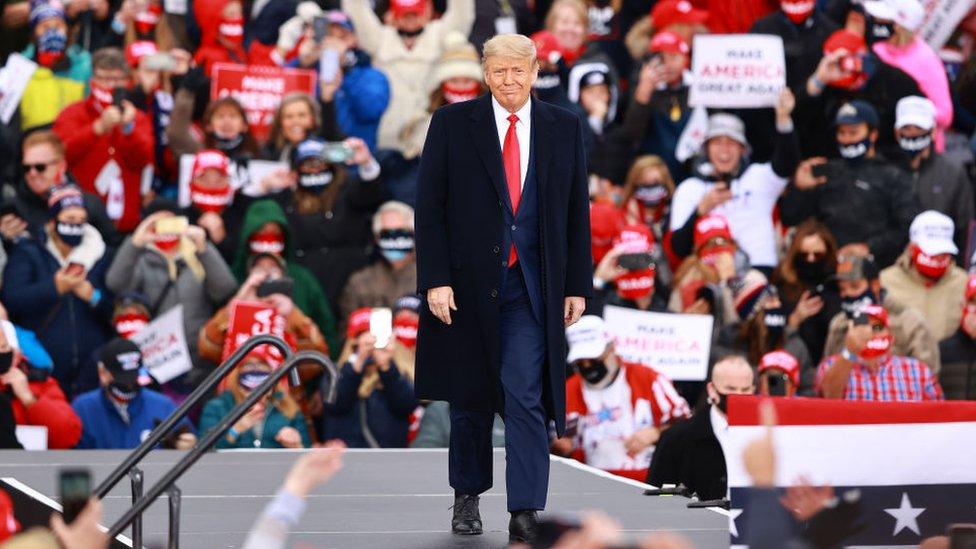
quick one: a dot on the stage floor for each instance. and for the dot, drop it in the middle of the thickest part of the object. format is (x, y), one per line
(385, 499)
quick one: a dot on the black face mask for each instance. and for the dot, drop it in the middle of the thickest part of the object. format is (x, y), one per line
(878, 31)
(851, 305)
(775, 321)
(227, 143)
(6, 360)
(811, 273)
(315, 182)
(70, 233)
(914, 146)
(854, 153)
(595, 373)
(410, 34)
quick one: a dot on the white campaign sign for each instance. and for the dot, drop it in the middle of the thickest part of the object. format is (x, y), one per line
(674, 345)
(941, 18)
(737, 70)
(163, 346)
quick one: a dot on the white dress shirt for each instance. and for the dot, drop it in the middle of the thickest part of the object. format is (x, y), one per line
(522, 132)
(720, 426)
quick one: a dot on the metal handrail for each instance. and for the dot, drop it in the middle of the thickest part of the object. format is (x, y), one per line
(220, 429)
(198, 394)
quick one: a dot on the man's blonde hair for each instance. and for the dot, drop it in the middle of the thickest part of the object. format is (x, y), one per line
(508, 45)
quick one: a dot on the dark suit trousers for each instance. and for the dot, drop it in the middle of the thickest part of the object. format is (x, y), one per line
(523, 349)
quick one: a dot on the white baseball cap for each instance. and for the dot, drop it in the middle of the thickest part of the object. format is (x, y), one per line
(932, 232)
(728, 125)
(907, 13)
(915, 111)
(588, 338)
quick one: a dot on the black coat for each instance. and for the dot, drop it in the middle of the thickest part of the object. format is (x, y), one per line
(460, 234)
(688, 453)
(958, 355)
(33, 209)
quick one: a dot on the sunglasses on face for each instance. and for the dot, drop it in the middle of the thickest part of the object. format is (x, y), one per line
(39, 168)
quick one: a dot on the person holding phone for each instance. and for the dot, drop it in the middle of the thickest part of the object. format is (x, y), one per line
(107, 141)
(54, 286)
(627, 275)
(274, 422)
(374, 397)
(171, 263)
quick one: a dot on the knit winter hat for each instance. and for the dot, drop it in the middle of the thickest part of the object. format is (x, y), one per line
(459, 59)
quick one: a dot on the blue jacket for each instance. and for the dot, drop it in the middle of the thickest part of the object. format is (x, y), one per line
(361, 100)
(387, 410)
(104, 428)
(70, 328)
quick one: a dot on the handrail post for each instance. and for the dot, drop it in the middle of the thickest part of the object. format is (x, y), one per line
(198, 394)
(220, 429)
(136, 476)
(174, 516)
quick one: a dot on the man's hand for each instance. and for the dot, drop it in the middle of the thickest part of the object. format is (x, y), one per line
(145, 232)
(440, 300)
(784, 106)
(110, 118)
(857, 337)
(84, 532)
(214, 225)
(829, 68)
(248, 290)
(17, 380)
(289, 437)
(198, 236)
(84, 289)
(573, 310)
(804, 500)
(759, 456)
(314, 468)
(65, 282)
(282, 304)
(12, 227)
(715, 197)
(804, 178)
(128, 112)
(360, 152)
(185, 441)
(608, 269)
(641, 439)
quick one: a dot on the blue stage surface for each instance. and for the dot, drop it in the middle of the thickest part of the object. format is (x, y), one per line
(381, 499)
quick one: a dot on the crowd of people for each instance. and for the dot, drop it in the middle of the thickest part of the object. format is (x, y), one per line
(828, 237)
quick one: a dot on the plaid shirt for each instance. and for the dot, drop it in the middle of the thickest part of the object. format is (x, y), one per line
(898, 379)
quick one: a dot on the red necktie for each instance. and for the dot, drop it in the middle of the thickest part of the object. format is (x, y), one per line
(513, 173)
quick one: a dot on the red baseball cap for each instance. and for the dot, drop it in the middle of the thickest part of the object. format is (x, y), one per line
(669, 41)
(211, 159)
(359, 322)
(135, 51)
(782, 361)
(709, 227)
(546, 46)
(876, 312)
(846, 40)
(406, 7)
(634, 239)
(605, 222)
(673, 12)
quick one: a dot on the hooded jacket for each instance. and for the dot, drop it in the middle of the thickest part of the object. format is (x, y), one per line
(940, 303)
(146, 270)
(912, 334)
(308, 294)
(70, 328)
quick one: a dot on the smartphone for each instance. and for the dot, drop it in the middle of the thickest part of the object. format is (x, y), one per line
(329, 65)
(172, 225)
(74, 489)
(962, 535)
(775, 384)
(118, 95)
(817, 291)
(161, 61)
(635, 262)
(336, 152)
(284, 286)
(320, 27)
(820, 170)
(381, 326)
(75, 268)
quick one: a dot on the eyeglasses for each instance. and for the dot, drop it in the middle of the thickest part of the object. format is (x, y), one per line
(39, 168)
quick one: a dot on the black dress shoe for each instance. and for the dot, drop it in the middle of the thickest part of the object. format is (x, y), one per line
(522, 528)
(467, 519)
